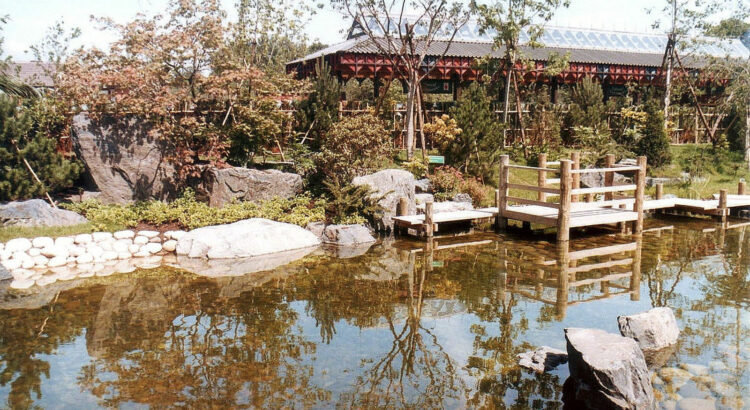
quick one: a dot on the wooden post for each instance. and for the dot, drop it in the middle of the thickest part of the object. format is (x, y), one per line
(609, 177)
(502, 201)
(640, 189)
(723, 205)
(403, 206)
(542, 177)
(589, 197)
(428, 221)
(563, 264)
(563, 216)
(741, 187)
(575, 157)
(635, 278)
(659, 190)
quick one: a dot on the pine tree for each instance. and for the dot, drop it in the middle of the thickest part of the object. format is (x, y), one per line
(654, 143)
(18, 130)
(320, 109)
(587, 109)
(477, 147)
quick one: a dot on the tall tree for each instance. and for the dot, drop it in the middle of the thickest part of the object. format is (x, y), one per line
(405, 31)
(508, 19)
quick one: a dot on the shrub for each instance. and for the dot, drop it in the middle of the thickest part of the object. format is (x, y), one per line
(654, 143)
(355, 146)
(190, 213)
(22, 137)
(351, 204)
(320, 110)
(448, 181)
(417, 166)
(442, 130)
(587, 110)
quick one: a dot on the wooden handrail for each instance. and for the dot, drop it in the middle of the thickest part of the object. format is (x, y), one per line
(534, 188)
(604, 189)
(612, 169)
(532, 168)
(533, 202)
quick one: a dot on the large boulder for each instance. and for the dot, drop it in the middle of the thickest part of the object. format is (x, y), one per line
(391, 184)
(239, 266)
(347, 235)
(123, 158)
(221, 186)
(36, 212)
(607, 371)
(446, 206)
(243, 239)
(596, 180)
(653, 330)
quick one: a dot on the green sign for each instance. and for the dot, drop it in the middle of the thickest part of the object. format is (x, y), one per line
(436, 159)
(438, 264)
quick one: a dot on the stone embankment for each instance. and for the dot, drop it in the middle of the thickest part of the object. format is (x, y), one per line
(44, 260)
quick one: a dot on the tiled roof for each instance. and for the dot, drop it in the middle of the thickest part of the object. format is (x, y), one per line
(34, 73)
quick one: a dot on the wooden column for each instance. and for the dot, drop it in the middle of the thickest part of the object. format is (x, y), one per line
(635, 278)
(403, 206)
(723, 205)
(502, 201)
(609, 177)
(428, 221)
(563, 264)
(741, 187)
(563, 216)
(575, 157)
(640, 189)
(542, 177)
(659, 190)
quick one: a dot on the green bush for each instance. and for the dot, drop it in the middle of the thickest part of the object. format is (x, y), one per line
(654, 143)
(190, 213)
(587, 111)
(22, 137)
(351, 204)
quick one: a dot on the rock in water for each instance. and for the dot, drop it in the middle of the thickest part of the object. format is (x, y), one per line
(542, 359)
(391, 184)
(654, 329)
(123, 159)
(221, 186)
(347, 235)
(36, 212)
(608, 371)
(250, 237)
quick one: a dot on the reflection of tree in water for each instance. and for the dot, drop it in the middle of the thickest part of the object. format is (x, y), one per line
(27, 333)
(416, 372)
(211, 351)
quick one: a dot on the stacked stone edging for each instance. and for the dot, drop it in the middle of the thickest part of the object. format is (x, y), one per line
(44, 260)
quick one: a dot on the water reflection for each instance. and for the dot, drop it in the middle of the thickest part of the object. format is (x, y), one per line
(407, 324)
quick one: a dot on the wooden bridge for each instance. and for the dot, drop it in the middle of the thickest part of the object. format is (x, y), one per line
(558, 201)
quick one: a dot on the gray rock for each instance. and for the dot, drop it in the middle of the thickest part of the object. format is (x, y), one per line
(422, 199)
(596, 180)
(542, 359)
(654, 329)
(243, 239)
(347, 235)
(446, 206)
(628, 162)
(391, 184)
(607, 370)
(423, 186)
(221, 186)
(36, 212)
(461, 197)
(4, 273)
(123, 158)
(316, 228)
(651, 181)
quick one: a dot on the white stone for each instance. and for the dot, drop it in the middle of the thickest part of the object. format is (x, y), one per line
(140, 240)
(124, 267)
(57, 261)
(86, 274)
(155, 240)
(124, 255)
(5, 255)
(40, 261)
(134, 248)
(76, 250)
(151, 248)
(64, 241)
(121, 245)
(18, 245)
(654, 329)
(250, 237)
(170, 245)
(124, 234)
(34, 252)
(94, 251)
(21, 274)
(46, 280)
(27, 263)
(86, 268)
(71, 260)
(55, 250)
(101, 236)
(142, 253)
(11, 264)
(148, 234)
(83, 238)
(109, 255)
(106, 245)
(42, 242)
(85, 258)
(69, 274)
(22, 284)
(176, 235)
(2, 246)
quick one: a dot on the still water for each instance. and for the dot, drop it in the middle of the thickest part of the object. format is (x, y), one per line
(406, 324)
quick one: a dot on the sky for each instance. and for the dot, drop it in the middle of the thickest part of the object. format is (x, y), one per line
(29, 19)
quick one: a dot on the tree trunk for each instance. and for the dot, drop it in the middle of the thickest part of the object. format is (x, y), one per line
(668, 88)
(519, 111)
(410, 100)
(747, 136)
(506, 104)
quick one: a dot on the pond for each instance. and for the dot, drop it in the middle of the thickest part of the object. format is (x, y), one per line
(406, 324)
